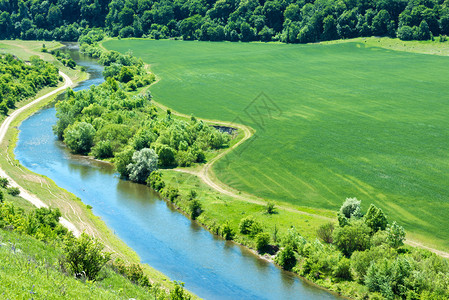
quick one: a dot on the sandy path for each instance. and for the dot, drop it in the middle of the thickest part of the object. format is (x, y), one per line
(4, 128)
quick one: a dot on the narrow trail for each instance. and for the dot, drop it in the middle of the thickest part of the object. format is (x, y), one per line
(4, 128)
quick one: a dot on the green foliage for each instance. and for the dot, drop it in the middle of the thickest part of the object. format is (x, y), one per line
(294, 239)
(133, 272)
(395, 235)
(4, 182)
(353, 237)
(171, 193)
(262, 241)
(13, 191)
(226, 231)
(102, 149)
(85, 256)
(20, 80)
(155, 181)
(79, 137)
(178, 293)
(375, 219)
(351, 208)
(286, 258)
(249, 225)
(143, 163)
(270, 208)
(342, 270)
(195, 208)
(325, 232)
(2, 197)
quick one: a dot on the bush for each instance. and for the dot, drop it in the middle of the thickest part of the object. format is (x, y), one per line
(226, 231)
(102, 149)
(79, 137)
(353, 237)
(171, 193)
(133, 272)
(2, 197)
(262, 241)
(324, 232)
(14, 191)
(343, 269)
(375, 219)
(155, 181)
(143, 163)
(270, 208)
(395, 235)
(286, 258)
(4, 182)
(248, 225)
(294, 239)
(195, 208)
(84, 256)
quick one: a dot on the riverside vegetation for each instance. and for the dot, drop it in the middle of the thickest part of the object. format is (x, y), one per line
(42, 259)
(247, 20)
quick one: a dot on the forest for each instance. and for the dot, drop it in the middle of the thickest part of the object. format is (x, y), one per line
(20, 80)
(289, 21)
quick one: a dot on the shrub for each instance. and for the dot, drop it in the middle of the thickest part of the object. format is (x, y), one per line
(143, 163)
(270, 208)
(84, 256)
(262, 241)
(155, 181)
(342, 270)
(350, 238)
(195, 208)
(171, 193)
(226, 231)
(286, 258)
(294, 239)
(248, 225)
(395, 235)
(4, 182)
(375, 219)
(14, 191)
(178, 293)
(133, 272)
(102, 149)
(2, 197)
(79, 137)
(324, 232)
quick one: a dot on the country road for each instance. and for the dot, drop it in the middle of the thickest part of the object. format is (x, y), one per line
(4, 128)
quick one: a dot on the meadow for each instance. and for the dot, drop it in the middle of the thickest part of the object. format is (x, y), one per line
(332, 121)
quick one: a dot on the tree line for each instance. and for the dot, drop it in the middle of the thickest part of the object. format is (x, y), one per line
(20, 80)
(290, 21)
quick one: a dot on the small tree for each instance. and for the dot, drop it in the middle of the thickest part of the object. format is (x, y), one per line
(178, 293)
(4, 182)
(79, 137)
(375, 219)
(286, 258)
(262, 241)
(195, 208)
(143, 163)
(2, 197)
(395, 235)
(226, 231)
(349, 209)
(84, 256)
(155, 181)
(248, 225)
(270, 208)
(352, 237)
(325, 231)
(13, 191)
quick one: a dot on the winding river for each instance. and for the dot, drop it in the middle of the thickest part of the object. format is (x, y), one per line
(209, 266)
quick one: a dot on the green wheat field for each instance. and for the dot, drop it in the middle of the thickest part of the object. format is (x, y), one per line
(331, 121)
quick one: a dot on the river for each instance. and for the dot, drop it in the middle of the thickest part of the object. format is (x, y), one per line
(165, 239)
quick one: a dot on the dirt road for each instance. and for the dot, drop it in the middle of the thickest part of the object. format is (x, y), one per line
(4, 128)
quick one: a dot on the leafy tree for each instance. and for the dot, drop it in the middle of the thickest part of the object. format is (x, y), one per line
(166, 156)
(375, 219)
(262, 241)
(195, 208)
(249, 225)
(324, 232)
(2, 197)
(270, 208)
(395, 235)
(286, 258)
(85, 256)
(155, 181)
(226, 231)
(353, 237)
(349, 209)
(79, 137)
(122, 160)
(143, 163)
(13, 191)
(4, 182)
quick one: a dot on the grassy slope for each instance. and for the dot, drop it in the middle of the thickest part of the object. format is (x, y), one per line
(342, 120)
(71, 207)
(29, 270)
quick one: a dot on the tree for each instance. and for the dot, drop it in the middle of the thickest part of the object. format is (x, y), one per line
(84, 256)
(262, 241)
(166, 156)
(79, 137)
(349, 209)
(122, 160)
(143, 163)
(324, 232)
(286, 258)
(375, 219)
(395, 235)
(353, 237)
(248, 225)
(2, 197)
(195, 208)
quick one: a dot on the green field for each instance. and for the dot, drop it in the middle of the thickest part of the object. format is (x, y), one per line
(341, 120)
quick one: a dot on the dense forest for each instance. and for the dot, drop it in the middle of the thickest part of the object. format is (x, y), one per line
(289, 21)
(20, 80)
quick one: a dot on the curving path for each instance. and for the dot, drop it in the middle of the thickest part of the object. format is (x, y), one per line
(4, 128)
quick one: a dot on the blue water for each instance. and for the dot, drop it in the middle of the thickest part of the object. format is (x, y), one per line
(165, 239)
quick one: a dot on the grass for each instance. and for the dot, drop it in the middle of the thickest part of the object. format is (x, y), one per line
(45, 189)
(336, 120)
(29, 270)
